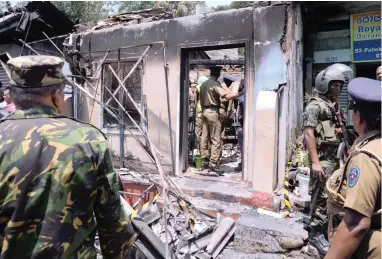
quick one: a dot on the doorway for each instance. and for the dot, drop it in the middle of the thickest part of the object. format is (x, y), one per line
(367, 70)
(195, 63)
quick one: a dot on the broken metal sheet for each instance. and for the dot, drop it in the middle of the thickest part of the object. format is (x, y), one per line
(221, 235)
(202, 255)
(196, 245)
(151, 214)
(151, 237)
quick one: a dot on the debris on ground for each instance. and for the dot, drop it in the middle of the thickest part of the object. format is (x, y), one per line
(177, 223)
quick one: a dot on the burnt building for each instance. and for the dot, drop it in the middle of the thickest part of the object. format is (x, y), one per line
(285, 45)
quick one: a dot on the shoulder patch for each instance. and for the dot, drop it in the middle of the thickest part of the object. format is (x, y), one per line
(353, 176)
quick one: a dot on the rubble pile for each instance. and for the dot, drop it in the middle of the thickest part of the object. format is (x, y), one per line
(190, 237)
(172, 220)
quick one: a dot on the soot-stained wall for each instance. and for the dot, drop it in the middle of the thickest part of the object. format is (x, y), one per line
(216, 28)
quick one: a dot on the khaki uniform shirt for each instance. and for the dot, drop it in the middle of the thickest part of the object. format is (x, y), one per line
(364, 196)
(211, 92)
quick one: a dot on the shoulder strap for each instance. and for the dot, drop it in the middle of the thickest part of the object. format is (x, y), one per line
(354, 153)
(321, 104)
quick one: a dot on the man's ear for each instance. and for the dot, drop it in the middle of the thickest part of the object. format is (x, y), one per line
(58, 99)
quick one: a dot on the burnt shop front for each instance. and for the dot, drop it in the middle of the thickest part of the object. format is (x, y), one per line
(355, 42)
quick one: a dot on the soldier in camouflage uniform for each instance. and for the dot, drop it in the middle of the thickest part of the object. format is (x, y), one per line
(58, 186)
(320, 135)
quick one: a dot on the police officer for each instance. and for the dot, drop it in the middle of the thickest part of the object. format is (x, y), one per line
(319, 126)
(210, 94)
(379, 73)
(198, 120)
(58, 186)
(359, 234)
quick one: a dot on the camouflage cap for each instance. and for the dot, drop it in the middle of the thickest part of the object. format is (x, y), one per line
(36, 71)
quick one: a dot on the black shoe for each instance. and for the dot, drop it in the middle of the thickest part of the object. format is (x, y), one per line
(319, 241)
(239, 168)
(215, 170)
(205, 165)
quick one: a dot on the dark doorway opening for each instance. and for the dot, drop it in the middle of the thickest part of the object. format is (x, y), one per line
(195, 64)
(367, 70)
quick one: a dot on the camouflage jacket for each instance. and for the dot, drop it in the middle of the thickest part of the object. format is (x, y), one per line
(319, 116)
(57, 189)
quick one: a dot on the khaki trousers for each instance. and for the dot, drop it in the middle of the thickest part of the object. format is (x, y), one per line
(211, 133)
(198, 131)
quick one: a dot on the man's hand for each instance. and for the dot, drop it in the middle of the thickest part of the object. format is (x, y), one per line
(318, 172)
(338, 131)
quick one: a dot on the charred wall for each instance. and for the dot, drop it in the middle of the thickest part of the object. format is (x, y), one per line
(211, 29)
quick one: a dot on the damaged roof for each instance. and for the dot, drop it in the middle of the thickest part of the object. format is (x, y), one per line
(35, 17)
(126, 19)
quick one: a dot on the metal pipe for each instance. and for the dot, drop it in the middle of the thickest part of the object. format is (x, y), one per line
(127, 93)
(87, 81)
(106, 108)
(130, 73)
(94, 99)
(126, 112)
(217, 62)
(129, 116)
(100, 66)
(125, 47)
(121, 124)
(91, 112)
(80, 87)
(169, 110)
(57, 37)
(130, 193)
(75, 103)
(29, 47)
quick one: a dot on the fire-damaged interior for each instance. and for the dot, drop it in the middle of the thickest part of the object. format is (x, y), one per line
(232, 62)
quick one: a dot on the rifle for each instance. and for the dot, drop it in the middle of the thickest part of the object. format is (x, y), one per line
(344, 135)
(342, 125)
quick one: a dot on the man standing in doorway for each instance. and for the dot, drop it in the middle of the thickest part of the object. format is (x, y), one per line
(379, 73)
(199, 112)
(320, 127)
(210, 94)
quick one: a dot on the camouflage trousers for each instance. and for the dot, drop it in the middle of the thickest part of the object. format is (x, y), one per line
(318, 215)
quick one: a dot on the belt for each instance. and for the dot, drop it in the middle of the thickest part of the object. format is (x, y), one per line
(212, 107)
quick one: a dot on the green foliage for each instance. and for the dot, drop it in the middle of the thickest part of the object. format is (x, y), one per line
(86, 11)
(177, 8)
(128, 6)
(8, 6)
(234, 5)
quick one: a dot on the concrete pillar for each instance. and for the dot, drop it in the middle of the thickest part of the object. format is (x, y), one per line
(266, 139)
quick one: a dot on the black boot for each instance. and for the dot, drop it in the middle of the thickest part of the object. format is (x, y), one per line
(215, 170)
(318, 240)
(239, 168)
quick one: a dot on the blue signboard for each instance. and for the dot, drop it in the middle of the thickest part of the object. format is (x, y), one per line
(366, 37)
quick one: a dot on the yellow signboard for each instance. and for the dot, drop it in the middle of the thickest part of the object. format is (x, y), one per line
(366, 37)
